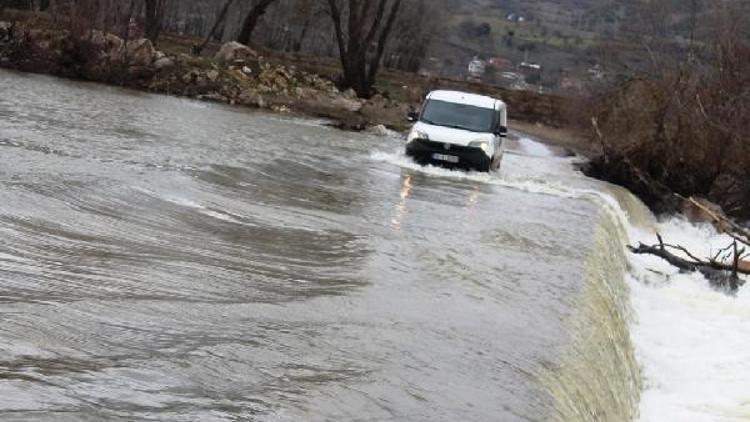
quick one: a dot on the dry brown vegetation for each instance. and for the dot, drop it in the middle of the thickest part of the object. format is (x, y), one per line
(684, 129)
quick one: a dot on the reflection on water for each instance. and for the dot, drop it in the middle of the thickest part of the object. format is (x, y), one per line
(167, 260)
(400, 209)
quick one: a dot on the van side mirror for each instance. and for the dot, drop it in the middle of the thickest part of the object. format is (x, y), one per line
(412, 116)
(502, 132)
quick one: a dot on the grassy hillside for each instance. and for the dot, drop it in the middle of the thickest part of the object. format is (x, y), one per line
(558, 34)
(566, 37)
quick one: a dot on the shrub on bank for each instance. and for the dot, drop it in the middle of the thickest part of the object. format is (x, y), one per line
(685, 131)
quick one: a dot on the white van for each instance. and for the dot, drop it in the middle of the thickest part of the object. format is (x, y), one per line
(458, 129)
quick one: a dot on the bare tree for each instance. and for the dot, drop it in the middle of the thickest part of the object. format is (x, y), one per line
(219, 20)
(305, 12)
(251, 20)
(412, 35)
(154, 18)
(367, 26)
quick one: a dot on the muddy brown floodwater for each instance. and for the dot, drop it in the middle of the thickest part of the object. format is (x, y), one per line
(164, 259)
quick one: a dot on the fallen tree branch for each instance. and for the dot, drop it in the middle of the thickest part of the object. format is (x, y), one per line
(723, 223)
(684, 250)
(719, 274)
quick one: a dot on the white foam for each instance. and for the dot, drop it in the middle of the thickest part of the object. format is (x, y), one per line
(692, 341)
(542, 185)
(403, 161)
(533, 147)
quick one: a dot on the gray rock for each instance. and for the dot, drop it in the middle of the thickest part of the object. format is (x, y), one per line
(98, 40)
(214, 96)
(347, 104)
(4, 29)
(163, 63)
(233, 51)
(141, 52)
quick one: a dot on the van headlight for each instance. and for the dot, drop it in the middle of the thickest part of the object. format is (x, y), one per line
(484, 145)
(417, 134)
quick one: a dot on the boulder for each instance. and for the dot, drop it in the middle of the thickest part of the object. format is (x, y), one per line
(214, 96)
(248, 96)
(281, 108)
(260, 101)
(105, 46)
(350, 94)
(378, 101)
(163, 63)
(239, 75)
(190, 77)
(113, 43)
(301, 92)
(380, 130)
(141, 53)
(233, 51)
(5, 29)
(212, 75)
(97, 40)
(348, 104)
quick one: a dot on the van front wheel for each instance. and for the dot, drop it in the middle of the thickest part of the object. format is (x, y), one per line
(496, 160)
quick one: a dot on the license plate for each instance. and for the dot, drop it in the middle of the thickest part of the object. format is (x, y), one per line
(443, 157)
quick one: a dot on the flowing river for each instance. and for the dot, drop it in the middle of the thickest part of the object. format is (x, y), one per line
(169, 260)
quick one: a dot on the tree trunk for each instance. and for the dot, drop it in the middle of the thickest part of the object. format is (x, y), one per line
(251, 21)
(154, 18)
(297, 47)
(375, 65)
(219, 20)
(364, 27)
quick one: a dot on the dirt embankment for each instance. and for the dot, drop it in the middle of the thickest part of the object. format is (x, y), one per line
(235, 74)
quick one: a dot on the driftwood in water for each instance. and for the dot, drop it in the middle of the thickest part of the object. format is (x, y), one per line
(717, 272)
(721, 222)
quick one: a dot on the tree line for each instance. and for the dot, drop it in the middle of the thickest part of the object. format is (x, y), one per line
(363, 34)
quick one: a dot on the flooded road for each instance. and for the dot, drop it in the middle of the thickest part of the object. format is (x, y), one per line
(168, 260)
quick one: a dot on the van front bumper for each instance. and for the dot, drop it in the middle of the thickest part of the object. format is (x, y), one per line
(448, 155)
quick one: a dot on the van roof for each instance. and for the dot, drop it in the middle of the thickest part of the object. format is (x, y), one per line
(459, 97)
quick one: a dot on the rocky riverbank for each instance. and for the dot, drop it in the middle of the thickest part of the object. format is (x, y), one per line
(234, 75)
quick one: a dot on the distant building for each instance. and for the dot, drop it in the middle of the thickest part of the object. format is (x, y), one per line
(531, 67)
(596, 73)
(477, 69)
(514, 17)
(570, 83)
(513, 80)
(501, 64)
(532, 72)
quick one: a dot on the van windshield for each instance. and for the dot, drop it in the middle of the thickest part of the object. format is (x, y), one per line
(458, 116)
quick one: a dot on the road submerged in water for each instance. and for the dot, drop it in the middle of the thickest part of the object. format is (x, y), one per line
(168, 260)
